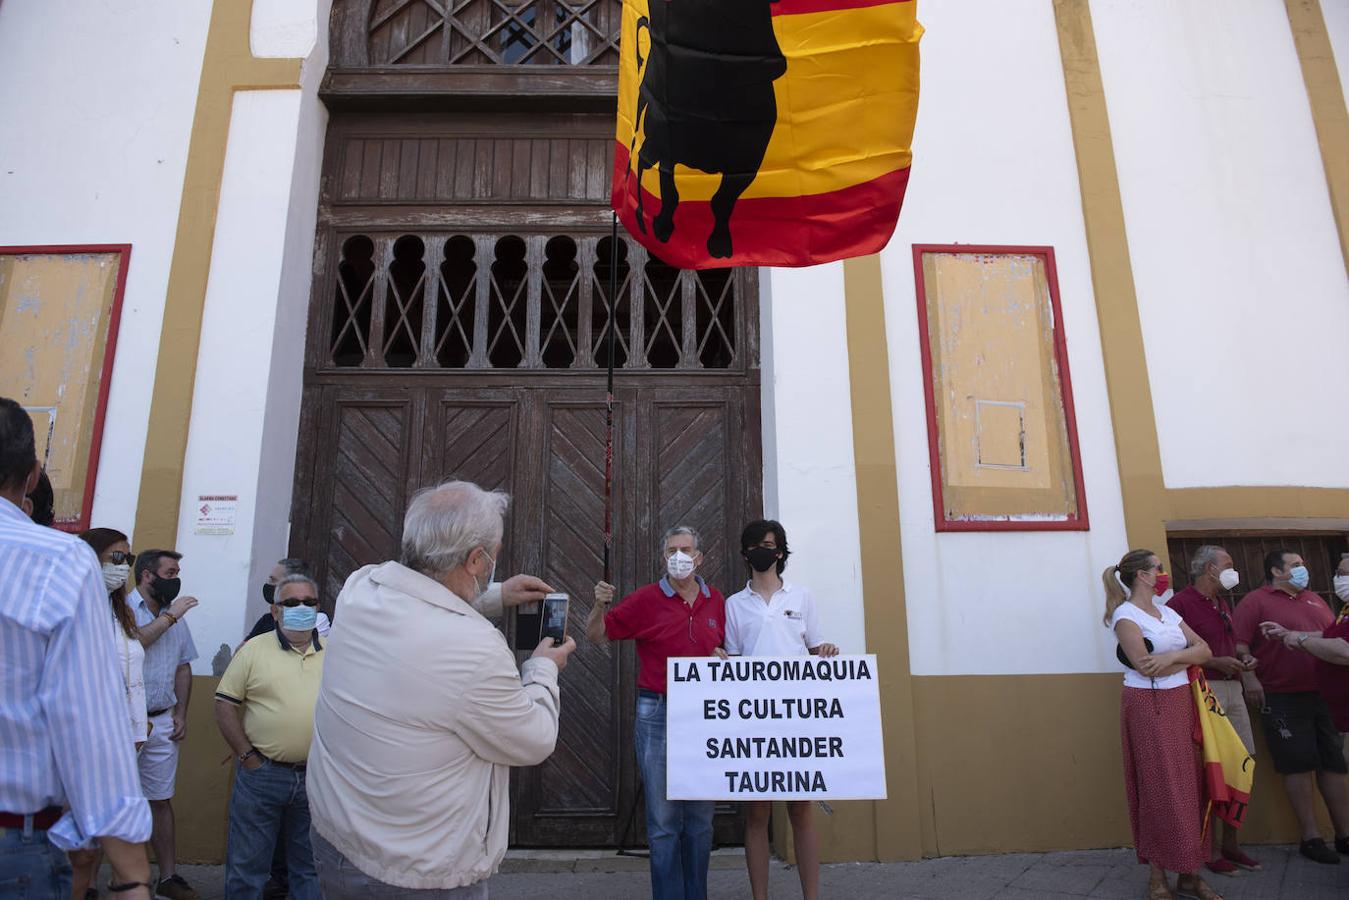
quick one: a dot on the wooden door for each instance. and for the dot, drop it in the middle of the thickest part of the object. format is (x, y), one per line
(439, 354)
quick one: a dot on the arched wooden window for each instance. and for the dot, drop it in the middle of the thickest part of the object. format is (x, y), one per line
(533, 301)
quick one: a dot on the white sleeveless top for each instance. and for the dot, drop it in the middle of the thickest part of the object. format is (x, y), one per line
(1166, 637)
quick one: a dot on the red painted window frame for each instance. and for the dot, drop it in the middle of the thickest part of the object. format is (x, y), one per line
(105, 376)
(1079, 522)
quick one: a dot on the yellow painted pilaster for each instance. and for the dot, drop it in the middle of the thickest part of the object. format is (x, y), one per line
(228, 65)
(898, 831)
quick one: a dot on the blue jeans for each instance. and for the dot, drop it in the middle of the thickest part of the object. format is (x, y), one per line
(679, 832)
(267, 802)
(31, 867)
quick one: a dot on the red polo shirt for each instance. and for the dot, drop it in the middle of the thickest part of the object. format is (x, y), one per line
(663, 625)
(1333, 680)
(1280, 670)
(1212, 623)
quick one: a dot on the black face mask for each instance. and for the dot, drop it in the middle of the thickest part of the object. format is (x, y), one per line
(166, 589)
(268, 592)
(761, 559)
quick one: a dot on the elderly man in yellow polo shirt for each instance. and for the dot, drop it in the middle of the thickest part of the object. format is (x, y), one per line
(264, 707)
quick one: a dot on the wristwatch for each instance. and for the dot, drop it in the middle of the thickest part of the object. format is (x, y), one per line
(253, 751)
(1303, 639)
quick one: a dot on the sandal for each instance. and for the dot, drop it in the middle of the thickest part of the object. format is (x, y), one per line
(1160, 890)
(1197, 889)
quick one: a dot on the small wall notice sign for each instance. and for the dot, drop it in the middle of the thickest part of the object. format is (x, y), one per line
(216, 513)
(774, 728)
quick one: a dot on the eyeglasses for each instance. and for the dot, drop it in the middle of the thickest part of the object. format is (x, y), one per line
(298, 601)
(118, 557)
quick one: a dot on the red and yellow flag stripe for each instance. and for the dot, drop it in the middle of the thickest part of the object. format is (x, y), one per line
(833, 175)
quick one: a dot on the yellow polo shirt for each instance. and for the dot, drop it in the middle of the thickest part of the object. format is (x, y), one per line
(277, 686)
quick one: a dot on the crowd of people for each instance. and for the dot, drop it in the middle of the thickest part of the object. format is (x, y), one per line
(372, 752)
(1280, 651)
(389, 773)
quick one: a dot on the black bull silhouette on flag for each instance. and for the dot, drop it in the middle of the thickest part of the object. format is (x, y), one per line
(721, 102)
(778, 129)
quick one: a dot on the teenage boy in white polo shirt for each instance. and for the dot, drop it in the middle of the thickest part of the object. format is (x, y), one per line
(771, 617)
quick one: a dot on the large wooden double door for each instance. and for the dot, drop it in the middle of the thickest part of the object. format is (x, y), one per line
(682, 454)
(458, 323)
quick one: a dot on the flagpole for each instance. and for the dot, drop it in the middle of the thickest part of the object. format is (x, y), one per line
(609, 402)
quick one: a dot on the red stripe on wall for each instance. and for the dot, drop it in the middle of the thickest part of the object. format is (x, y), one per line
(801, 7)
(769, 231)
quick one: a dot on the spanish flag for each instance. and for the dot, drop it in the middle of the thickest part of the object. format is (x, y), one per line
(1228, 770)
(764, 132)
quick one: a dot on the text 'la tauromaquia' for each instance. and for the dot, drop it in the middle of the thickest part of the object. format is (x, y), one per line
(772, 670)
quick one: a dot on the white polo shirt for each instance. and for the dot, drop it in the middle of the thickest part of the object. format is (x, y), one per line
(787, 624)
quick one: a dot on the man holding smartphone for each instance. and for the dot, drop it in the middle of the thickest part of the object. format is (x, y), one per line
(680, 615)
(422, 711)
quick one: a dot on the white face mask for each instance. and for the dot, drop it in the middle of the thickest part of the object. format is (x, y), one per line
(1342, 587)
(484, 588)
(679, 565)
(1229, 578)
(115, 576)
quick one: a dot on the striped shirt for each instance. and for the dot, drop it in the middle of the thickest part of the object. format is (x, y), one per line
(162, 658)
(64, 735)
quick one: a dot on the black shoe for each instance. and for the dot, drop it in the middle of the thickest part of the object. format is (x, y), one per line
(1342, 845)
(1317, 851)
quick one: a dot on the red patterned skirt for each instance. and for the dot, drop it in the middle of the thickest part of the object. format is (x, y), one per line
(1162, 777)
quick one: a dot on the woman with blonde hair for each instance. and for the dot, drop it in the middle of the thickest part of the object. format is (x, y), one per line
(1162, 768)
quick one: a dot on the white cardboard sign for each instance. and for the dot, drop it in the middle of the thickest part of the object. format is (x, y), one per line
(774, 728)
(216, 513)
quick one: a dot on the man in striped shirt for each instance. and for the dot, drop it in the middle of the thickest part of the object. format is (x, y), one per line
(67, 768)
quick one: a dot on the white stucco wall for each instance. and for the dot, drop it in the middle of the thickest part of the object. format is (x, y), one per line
(94, 151)
(246, 399)
(809, 480)
(1236, 259)
(994, 164)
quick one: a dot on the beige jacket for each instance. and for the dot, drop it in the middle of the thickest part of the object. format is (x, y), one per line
(419, 718)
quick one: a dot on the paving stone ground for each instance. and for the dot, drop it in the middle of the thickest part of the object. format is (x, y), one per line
(1106, 874)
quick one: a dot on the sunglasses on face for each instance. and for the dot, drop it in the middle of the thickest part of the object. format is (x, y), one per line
(298, 601)
(118, 558)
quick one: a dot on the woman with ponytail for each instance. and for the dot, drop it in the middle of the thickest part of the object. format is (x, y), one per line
(1162, 768)
(115, 558)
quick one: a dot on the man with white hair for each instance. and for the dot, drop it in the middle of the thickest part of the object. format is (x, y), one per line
(679, 615)
(422, 712)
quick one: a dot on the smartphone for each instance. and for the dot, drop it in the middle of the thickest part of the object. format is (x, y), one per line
(555, 617)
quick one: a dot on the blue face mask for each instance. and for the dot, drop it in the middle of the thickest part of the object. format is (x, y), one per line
(299, 618)
(1299, 577)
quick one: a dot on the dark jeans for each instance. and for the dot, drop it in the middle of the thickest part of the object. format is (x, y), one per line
(267, 802)
(343, 880)
(679, 832)
(31, 867)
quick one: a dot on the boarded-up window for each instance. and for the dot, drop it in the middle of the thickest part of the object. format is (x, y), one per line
(58, 324)
(1001, 427)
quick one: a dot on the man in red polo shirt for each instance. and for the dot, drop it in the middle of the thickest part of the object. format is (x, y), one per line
(680, 615)
(1305, 747)
(1209, 615)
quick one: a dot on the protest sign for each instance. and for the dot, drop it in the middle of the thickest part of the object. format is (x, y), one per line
(774, 728)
